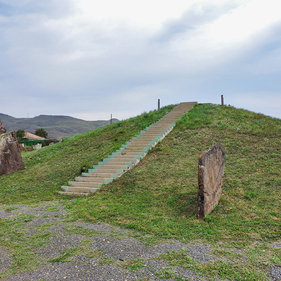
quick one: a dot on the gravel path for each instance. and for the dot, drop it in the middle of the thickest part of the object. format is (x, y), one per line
(84, 251)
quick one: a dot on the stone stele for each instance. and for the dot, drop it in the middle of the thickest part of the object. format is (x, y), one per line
(210, 176)
(10, 156)
(2, 128)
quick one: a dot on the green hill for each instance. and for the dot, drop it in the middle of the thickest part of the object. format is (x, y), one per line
(58, 127)
(48, 169)
(158, 197)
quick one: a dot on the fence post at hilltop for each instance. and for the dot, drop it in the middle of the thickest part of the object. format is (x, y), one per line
(222, 103)
(158, 104)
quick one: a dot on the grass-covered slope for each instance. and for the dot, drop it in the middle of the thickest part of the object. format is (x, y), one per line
(159, 195)
(48, 169)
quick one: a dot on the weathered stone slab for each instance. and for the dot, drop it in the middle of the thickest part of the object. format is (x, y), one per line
(10, 156)
(2, 128)
(210, 176)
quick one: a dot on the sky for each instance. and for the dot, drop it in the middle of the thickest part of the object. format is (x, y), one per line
(89, 59)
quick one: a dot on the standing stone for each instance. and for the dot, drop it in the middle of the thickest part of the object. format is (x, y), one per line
(210, 175)
(2, 128)
(10, 156)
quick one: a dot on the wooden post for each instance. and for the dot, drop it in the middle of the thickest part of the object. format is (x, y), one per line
(158, 104)
(110, 118)
(222, 103)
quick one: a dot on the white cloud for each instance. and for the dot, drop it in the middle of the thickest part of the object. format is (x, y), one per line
(234, 32)
(141, 14)
(268, 64)
(85, 54)
(240, 25)
(262, 102)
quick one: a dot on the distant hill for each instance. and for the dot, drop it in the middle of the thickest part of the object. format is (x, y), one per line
(57, 126)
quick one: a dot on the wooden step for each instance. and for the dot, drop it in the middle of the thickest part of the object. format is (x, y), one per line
(88, 184)
(82, 189)
(69, 193)
(86, 179)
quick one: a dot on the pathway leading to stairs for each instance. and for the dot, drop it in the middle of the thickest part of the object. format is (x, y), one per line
(127, 156)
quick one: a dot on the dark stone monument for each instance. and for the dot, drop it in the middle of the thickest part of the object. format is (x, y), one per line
(10, 156)
(210, 175)
(2, 128)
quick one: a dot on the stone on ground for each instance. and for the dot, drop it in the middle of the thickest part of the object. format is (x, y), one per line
(10, 156)
(210, 176)
(2, 128)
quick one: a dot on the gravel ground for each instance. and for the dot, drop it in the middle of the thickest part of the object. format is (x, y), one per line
(106, 252)
(5, 215)
(276, 272)
(5, 259)
(275, 245)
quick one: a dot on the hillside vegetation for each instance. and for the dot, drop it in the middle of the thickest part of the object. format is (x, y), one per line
(51, 167)
(158, 197)
(57, 126)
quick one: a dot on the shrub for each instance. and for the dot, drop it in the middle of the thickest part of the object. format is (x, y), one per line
(41, 133)
(20, 134)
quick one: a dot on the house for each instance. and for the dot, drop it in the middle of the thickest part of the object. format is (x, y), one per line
(35, 141)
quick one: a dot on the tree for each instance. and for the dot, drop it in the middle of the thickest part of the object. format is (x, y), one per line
(20, 134)
(41, 133)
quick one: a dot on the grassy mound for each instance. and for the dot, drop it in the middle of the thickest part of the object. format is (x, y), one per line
(48, 169)
(159, 195)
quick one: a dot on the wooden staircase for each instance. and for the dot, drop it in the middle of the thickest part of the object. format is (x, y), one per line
(127, 156)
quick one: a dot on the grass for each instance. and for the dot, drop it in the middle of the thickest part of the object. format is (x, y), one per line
(133, 265)
(220, 269)
(158, 197)
(105, 260)
(66, 256)
(51, 167)
(69, 230)
(70, 253)
(13, 236)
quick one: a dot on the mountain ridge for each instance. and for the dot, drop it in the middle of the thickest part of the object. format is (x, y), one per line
(57, 126)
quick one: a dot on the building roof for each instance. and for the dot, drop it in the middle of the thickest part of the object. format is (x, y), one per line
(31, 136)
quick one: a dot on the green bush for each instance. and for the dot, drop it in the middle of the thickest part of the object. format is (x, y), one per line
(41, 133)
(20, 134)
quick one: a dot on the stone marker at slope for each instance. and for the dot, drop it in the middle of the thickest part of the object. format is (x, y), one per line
(210, 175)
(2, 128)
(10, 156)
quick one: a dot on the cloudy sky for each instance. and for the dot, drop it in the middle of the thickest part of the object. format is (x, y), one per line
(90, 58)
